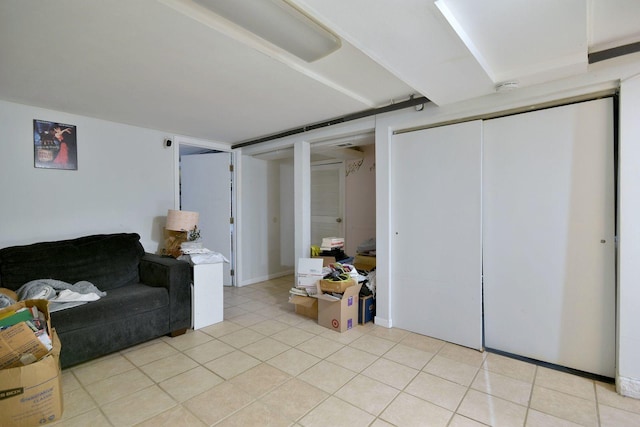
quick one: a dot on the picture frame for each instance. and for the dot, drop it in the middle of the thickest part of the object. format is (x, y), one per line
(54, 145)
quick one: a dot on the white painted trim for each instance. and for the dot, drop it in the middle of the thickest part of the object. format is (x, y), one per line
(266, 277)
(384, 239)
(212, 145)
(195, 142)
(234, 211)
(302, 200)
(237, 212)
(380, 321)
(629, 387)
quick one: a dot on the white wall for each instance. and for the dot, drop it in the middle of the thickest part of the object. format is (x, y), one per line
(603, 76)
(266, 220)
(124, 181)
(628, 376)
(360, 200)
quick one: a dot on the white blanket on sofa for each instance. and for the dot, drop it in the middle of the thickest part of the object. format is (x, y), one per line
(60, 294)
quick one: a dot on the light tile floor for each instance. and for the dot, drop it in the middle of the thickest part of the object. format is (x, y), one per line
(266, 366)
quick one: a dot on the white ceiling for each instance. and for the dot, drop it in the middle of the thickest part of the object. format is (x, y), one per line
(174, 66)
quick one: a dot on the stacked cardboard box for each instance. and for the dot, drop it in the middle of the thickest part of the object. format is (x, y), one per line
(309, 273)
(337, 310)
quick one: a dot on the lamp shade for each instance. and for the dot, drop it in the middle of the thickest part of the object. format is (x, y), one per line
(181, 220)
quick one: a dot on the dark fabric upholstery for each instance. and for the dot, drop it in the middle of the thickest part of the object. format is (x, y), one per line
(114, 334)
(128, 301)
(147, 295)
(106, 260)
(157, 270)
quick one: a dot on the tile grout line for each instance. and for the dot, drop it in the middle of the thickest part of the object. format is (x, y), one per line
(533, 383)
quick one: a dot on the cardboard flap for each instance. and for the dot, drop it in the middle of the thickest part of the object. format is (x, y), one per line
(19, 346)
(300, 300)
(350, 291)
(327, 297)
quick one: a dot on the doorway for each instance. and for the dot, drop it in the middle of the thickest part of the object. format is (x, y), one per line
(327, 201)
(206, 187)
(354, 156)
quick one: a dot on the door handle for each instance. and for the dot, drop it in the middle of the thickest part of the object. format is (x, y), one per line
(338, 219)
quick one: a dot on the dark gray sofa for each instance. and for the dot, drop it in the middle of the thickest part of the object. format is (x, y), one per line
(148, 296)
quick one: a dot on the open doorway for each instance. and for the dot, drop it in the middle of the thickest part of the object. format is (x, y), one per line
(206, 187)
(354, 191)
(269, 209)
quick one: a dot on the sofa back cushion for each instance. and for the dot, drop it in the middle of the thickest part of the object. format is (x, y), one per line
(106, 260)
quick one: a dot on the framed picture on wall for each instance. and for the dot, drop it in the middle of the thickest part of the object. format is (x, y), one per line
(54, 145)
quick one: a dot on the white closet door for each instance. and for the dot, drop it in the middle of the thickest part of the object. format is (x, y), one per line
(548, 208)
(436, 250)
(206, 188)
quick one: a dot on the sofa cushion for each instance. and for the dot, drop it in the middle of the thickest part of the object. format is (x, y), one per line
(120, 303)
(106, 260)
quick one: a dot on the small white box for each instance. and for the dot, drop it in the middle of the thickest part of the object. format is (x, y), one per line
(309, 272)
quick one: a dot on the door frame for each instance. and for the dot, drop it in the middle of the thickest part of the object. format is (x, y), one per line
(182, 141)
(341, 171)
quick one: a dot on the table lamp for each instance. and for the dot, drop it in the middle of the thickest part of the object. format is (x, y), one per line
(176, 231)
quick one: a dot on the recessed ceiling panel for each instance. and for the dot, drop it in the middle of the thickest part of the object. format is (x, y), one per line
(413, 41)
(521, 39)
(613, 23)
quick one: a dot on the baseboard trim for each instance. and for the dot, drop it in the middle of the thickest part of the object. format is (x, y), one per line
(267, 277)
(385, 323)
(629, 387)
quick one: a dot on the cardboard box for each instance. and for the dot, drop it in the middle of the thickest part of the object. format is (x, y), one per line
(339, 287)
(309, 272)
(306, 306)
(32, 395)
(339, 314)
(19, 346)
(366, 309)
(364, 262)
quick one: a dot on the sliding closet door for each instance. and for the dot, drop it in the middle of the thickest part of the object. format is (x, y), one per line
(548, 229)
(436, 220)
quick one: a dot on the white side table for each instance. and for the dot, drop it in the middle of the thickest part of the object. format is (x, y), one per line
(208, 295)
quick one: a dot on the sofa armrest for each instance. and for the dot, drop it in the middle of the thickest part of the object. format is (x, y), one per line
(175, 275)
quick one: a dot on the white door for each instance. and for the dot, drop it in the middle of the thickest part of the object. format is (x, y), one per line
(205, 187)
(548, 207)
(327, 201)
(436, 219)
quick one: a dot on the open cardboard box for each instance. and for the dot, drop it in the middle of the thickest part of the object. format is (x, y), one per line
(18, 344)
(336, 286)
(333, 313)
(31, 394)
(309, 273)
(306, 306)
(339, 314)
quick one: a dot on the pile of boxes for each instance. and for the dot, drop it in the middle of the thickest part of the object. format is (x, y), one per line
(335, 304)
(30, 377)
